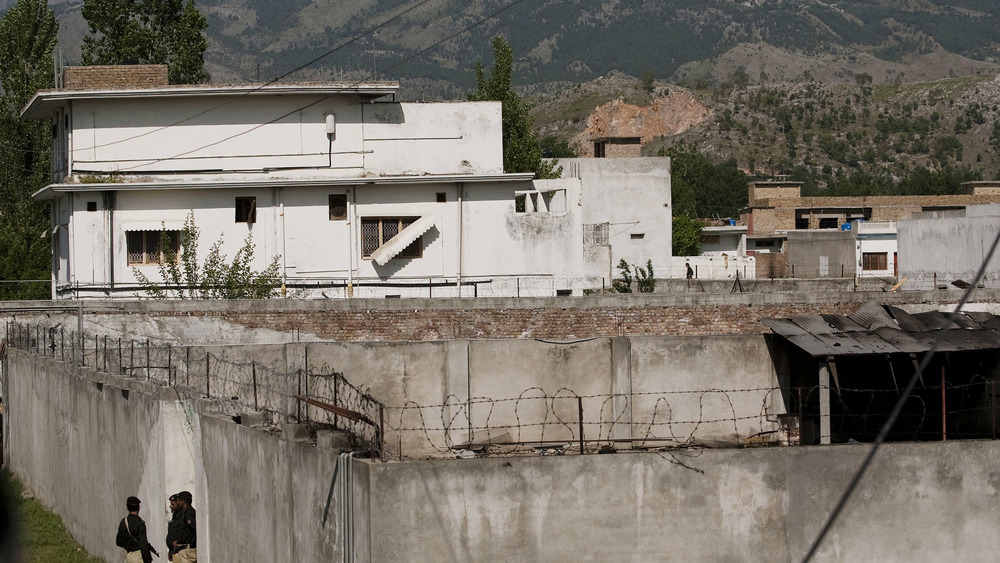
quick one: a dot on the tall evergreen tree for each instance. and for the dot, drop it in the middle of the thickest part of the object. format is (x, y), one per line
(521, 151)
(147, 32)
(27, 38)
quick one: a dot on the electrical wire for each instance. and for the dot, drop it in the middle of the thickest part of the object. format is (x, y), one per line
(266, 84)
(324, 98)
(887, 427)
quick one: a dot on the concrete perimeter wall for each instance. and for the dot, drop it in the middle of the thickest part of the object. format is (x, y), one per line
(919, 502)
(449, 393)
(261, 496)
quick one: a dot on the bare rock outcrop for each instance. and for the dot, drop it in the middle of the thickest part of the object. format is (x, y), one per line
(670, 115)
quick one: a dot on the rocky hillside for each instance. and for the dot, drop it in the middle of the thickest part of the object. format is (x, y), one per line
(826, 129)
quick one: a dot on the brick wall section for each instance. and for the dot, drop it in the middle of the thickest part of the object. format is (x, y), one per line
(114, 77)
(623, 150)
(547, 323)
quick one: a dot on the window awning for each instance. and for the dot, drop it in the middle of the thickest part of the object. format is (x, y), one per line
(398, 243)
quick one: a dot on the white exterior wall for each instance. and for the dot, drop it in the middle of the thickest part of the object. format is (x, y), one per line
(879, 237)
(161, 154)
(633, 196)
(151, 135)
(946, 249)
(478, 238)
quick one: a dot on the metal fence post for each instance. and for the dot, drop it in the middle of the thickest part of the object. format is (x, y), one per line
(253, 369)
(208, 376)
(579, 404)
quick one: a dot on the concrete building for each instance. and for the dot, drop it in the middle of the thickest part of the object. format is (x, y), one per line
(941, 252)
(776, 209)
(617, 147)
(358, 194)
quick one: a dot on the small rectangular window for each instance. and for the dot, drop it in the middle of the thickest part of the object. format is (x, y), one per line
(874, 261)
(637, 236)
(246, 210)
(828, 223)
(595, 233)
(152, 247)
(599, 149)
(377, 231)
(338, 207)
(91, 206)
(442, 197)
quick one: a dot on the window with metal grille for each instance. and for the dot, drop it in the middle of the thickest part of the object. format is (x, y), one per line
(376, 231)
(874, 261)
(147, 247)
(246, 210)
(596, 233)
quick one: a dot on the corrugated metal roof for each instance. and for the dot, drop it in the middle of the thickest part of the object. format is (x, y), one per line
(874, 329)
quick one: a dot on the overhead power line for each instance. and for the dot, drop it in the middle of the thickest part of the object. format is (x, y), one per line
(313, 61)
(324, 98)
(887, 427)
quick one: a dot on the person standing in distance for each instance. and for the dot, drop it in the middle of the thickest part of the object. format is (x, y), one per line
(132, 535)
(186, 538)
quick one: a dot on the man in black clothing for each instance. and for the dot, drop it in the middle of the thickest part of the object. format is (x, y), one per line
(175, 508)
(132, 535)
(186, 538)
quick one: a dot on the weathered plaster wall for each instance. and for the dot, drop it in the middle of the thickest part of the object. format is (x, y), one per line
(919, 502)
(262, 496)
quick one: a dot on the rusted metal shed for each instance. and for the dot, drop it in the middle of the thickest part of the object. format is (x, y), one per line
(865, 357)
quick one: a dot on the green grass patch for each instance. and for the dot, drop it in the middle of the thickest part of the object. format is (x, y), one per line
(43, 536)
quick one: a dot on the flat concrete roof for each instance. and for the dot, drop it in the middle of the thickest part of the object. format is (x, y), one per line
(43, 102)
(50, 191)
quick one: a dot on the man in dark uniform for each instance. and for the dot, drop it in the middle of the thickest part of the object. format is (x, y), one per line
(186, 540)
(175, 507)
(132, 535)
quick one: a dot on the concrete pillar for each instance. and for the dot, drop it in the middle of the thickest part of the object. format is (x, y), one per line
(621, 388)
(457, 353)
(824, 405)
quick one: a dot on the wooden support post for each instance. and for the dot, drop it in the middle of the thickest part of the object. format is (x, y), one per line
(944, 408)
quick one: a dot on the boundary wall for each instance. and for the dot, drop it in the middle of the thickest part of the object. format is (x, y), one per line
(198, 322)
(83, 447)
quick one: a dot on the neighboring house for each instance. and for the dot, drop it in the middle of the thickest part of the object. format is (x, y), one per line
(359, 195)
(777, 209)
(723, 254)
(936, 250)
(617, 147)
(875, 245)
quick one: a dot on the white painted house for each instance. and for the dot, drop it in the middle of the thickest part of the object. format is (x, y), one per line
(358, 194)
(876, 248)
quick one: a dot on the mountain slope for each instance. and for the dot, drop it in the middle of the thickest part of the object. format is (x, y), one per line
(579, 40)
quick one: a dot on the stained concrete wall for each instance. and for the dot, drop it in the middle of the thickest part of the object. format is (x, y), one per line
(946, 249)
(919, 502)
(262, 496)
(83, 442)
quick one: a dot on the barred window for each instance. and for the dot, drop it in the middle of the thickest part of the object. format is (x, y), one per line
(596, 233)
(147, 247)
(874, 261)
(377, 231)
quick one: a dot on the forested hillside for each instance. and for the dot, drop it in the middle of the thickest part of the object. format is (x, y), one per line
(692, 43)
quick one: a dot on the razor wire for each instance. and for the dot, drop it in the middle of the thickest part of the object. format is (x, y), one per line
(534, 419)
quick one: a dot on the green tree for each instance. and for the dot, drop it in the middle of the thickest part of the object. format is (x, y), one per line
(521, 151)
(147, 32)
(27, 38)
(559, 148)
(701, 188)
(686, 236)
(216, 278)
